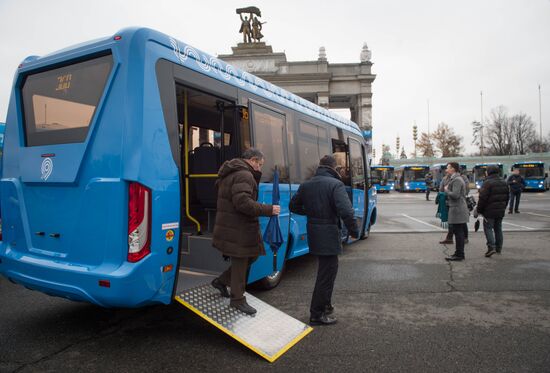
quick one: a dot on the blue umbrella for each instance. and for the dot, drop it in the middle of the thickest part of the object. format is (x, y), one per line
(273, 235)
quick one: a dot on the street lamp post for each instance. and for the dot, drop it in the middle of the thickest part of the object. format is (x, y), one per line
(481, 127)
(540, 123)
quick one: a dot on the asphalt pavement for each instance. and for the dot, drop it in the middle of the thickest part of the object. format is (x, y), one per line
(401, 308)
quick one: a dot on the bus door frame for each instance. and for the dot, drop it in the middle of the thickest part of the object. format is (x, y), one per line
(366, 185)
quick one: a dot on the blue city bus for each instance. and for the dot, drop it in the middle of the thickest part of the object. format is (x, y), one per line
(533, 174)
(480, 174)
(438, 171)
(2, 129)
(411, 178)
(382, 177)
(111, 154)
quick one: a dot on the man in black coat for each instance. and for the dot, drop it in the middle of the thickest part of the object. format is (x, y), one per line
(429, 185)
(516, 184)
(325, 201)
(493, 198)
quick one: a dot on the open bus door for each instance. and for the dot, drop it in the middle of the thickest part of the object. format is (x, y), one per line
(210, 129)
(359, 196)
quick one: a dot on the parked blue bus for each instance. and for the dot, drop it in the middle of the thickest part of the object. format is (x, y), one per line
(411, 178)
(438, 171)
(479, 172)
(533, 174)
(382, 177)
(111, 154)
(2, 129)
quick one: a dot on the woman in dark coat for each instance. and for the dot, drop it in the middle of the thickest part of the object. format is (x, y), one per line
(324, 200)
(237, 229)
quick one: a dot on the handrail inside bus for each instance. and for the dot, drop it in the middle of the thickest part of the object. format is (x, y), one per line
(187, 176)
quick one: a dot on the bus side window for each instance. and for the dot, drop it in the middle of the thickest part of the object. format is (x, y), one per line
(269, 135)
(312, 146)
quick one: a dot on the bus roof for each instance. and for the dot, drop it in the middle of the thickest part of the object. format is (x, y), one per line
(414, 165)
(197, 60)
(445, 164)
(487, 164)
(533, 162)
(381, 166)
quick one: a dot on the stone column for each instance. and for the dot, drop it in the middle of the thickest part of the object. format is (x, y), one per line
(322, 99)
(363, 111)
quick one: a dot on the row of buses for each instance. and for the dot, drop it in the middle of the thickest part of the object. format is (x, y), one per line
(412, 178)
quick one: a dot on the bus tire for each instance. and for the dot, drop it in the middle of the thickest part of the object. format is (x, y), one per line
(271, 281)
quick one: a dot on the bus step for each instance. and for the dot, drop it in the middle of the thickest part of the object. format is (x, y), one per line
(269, 333)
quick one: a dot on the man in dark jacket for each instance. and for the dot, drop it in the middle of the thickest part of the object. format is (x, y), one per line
(237, 228)
(493, 198)
(429, 185)
(324, 200)
(516, 183)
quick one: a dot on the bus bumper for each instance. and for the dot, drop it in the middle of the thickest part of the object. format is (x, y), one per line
(129, 285)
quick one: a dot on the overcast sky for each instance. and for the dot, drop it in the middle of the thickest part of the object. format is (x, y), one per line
(442, 51)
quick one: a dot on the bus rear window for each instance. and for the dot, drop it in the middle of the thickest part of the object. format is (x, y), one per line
(59, 104)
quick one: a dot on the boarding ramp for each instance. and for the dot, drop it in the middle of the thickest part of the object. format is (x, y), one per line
(269, 333)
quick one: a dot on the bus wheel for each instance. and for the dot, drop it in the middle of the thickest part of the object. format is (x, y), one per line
(271, 281)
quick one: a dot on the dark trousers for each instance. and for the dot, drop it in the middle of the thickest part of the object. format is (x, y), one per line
(322, 293)
(458, 232)
(235, 276)
(427, 193)
(492, 227)
(450, 233)
(514, 201)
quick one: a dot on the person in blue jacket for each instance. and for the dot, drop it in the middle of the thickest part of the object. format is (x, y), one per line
(516, 184)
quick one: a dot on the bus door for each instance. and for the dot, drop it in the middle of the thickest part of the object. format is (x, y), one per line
(208, 136)
(358, 181)
(269, 134)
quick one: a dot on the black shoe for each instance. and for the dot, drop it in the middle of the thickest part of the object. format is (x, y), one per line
(517, 211)
(498, 251)
(454, 258)
(450, 242)
(490, 252)
(323, 320)
(245, 307)
(509, 211)
(221, 287)
(329, 309)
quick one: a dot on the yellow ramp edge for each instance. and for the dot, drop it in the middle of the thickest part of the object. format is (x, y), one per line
(270, 332)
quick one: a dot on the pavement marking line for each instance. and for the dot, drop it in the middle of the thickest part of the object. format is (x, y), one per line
(519, 226)
(423, 222)
(534, 213)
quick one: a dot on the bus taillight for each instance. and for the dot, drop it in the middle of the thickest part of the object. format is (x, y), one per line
(139, 222)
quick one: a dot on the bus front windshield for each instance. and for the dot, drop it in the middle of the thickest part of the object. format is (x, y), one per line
(479, 173)
(415, 174)
(531, 171)
(381, 174)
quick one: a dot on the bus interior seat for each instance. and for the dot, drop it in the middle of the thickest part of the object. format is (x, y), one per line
(205, 161)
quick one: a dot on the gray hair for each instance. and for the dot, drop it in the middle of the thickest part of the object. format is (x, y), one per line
(253, 153)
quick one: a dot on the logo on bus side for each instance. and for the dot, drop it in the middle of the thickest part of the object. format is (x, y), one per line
(46, 169)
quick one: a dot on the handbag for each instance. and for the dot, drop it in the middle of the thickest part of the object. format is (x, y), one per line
(471, 203)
